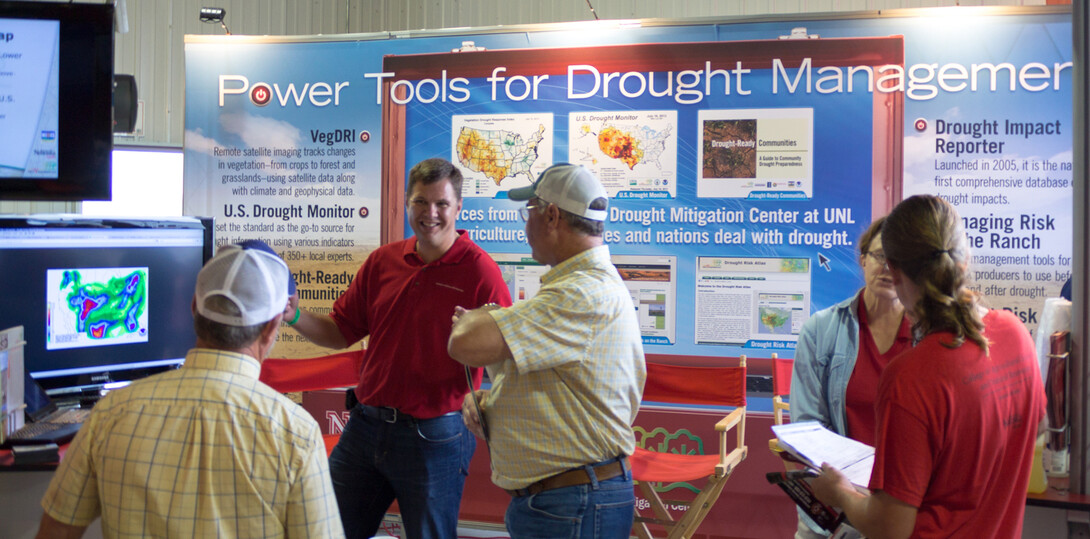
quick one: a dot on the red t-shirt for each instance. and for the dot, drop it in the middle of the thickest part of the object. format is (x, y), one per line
(956, 430)
(405, 306)
(862, 388)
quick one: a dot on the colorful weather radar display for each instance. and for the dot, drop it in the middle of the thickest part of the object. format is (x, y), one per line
(96, 307)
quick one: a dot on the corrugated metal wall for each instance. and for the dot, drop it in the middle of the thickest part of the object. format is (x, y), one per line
(152, 49)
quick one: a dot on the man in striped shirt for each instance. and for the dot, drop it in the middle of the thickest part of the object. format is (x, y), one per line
(567, 370)
(206, 450)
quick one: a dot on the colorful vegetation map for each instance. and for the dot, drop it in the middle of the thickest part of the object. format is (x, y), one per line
(498, 153)
(110, 309)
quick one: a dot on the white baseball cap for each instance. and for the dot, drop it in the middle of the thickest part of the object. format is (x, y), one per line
(572, 188)
(255, 281)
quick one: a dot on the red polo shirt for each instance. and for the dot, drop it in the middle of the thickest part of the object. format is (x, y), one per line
(862, 389)
(956, 429)
(405, 306)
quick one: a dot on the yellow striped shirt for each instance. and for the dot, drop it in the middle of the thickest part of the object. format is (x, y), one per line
(203, 451)
(570, 394)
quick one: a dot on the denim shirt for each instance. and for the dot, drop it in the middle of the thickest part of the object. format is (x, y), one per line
(824, 360)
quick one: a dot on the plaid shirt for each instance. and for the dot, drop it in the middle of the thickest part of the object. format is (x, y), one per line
(203, 451)
(570, 394)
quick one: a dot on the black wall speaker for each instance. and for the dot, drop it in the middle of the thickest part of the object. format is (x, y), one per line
(124, 103)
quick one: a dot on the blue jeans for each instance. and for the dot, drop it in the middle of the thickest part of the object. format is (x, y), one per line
(423, 464)
(601, 509)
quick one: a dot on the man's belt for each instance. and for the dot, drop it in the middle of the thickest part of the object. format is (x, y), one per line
(393, 415)
(574, 477)
(387, 414)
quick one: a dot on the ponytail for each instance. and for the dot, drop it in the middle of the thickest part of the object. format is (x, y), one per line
(924, 238)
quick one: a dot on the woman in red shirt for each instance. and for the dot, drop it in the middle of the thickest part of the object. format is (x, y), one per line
(957, 415)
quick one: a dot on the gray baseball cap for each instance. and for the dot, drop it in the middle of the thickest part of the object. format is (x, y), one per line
(572, 188)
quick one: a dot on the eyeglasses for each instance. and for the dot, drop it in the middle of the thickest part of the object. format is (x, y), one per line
(878, 256)
(524, 211)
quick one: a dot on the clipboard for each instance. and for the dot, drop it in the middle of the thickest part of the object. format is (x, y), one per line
(476, 404)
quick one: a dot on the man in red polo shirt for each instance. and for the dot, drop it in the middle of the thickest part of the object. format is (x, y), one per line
(405, 439)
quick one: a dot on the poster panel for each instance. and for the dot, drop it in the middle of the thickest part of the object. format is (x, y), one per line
(720, 148)
(992, 135)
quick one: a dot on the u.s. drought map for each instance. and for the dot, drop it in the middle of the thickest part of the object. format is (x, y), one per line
(633, 152)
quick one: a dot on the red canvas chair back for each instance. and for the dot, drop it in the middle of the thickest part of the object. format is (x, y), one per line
(678, 384)
(781, 375)
(781, 387)
(674, 384)
(324, 372)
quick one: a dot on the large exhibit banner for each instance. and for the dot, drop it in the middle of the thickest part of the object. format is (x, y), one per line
(282, 145)
(743, 161)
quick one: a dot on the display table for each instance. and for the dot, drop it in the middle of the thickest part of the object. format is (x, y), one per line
(1057, 500)
(7, 462)
(21, 491)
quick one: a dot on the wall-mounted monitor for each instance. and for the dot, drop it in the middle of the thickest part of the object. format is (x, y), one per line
(56, 84)
(101, 301)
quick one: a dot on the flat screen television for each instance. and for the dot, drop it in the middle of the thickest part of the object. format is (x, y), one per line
(56, 109)
(101, 301)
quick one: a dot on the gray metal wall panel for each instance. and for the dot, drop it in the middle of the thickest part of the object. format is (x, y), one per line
(23, 207)
(153, 49)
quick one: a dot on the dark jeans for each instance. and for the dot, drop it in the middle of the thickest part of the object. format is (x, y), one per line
(599, 510)
(423, 464)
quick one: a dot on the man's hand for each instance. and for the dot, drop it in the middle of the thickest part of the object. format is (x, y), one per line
(289, 309)
(459, 312)
(469, 410)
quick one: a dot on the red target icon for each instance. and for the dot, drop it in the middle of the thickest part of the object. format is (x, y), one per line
(920, 124)
(261, 94)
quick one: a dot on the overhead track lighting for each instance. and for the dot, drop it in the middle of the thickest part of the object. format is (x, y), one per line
(213, 15)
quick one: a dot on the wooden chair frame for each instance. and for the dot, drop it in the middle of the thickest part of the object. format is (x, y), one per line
(779, 389)
(698, 509)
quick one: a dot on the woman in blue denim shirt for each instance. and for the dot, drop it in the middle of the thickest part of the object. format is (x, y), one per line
(841, 353)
